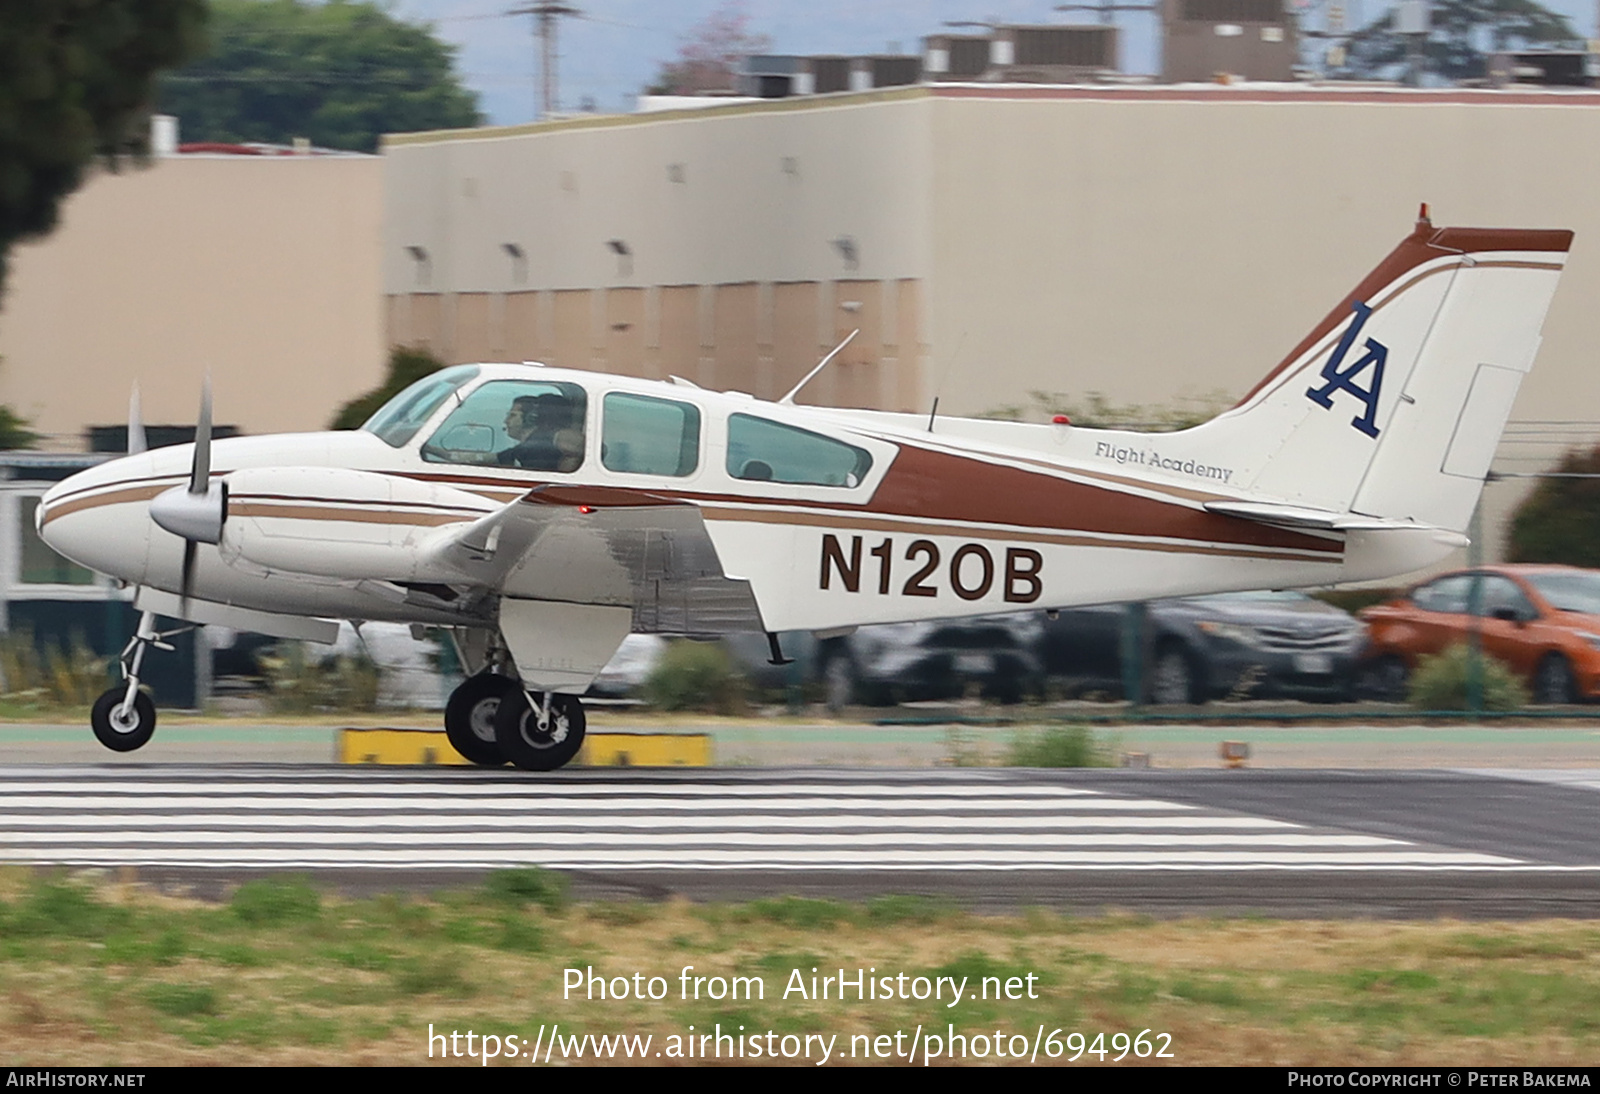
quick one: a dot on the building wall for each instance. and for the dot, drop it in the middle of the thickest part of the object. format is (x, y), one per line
(734, 225)
(261, 270)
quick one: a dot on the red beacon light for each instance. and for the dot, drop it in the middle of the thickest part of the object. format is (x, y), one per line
(585, 509)
(1061, 419)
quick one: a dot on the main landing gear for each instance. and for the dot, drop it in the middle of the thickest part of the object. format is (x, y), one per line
(124, 718)
(490, 720)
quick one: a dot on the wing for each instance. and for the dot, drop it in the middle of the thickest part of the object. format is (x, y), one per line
(569, 544)
(610, 547)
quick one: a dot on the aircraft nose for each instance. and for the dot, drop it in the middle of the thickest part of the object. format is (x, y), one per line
(101, 524)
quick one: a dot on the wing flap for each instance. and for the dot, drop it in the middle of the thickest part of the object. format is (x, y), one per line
(599, 546)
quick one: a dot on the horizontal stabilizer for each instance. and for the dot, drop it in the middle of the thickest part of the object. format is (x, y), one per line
(1299, 516)
(1374, 547)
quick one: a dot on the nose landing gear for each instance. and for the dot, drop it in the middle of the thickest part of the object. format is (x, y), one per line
(124, 718)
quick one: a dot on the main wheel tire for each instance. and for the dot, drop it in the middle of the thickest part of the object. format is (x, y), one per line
(116, 732)
(531, 748)
(469, 718)
(1554, 682)
(1173, 678)
(1384, 680)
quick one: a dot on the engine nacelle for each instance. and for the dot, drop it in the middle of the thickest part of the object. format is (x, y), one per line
(340, 523)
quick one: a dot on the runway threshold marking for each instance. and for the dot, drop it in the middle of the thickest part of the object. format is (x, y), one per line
(490, 819)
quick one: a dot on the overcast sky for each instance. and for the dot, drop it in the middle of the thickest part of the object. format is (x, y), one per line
(609, 54)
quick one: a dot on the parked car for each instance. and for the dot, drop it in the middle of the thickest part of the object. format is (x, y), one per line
(1232, 645)
(1542, 621)
(871, 666)
(994, 655)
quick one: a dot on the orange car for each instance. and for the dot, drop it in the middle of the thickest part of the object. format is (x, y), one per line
(1543, 621)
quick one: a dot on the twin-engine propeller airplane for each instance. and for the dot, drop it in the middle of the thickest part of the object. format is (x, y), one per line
(539, 515)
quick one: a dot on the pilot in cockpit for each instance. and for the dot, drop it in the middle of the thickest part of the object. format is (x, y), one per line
(546, 438)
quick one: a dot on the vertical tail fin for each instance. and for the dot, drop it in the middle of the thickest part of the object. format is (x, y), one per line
(1393, 405)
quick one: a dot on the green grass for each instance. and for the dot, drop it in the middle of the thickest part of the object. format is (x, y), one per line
(282, 972)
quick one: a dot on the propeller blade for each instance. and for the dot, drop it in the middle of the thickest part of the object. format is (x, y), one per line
(186, 585)
(200, 475)
(136, 439)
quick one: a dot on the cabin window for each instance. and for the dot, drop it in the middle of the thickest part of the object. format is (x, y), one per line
(514, 423)
(398, 420)
(765, 451)
(649, 436)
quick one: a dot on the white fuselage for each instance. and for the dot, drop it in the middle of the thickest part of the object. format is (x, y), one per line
(966, 519)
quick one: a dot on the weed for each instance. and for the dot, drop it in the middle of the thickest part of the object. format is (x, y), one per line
(1058, 746)
(696, 676)
(64, 910)
(363, 956)
(1440, 682)
(269, 901)
(626, 914)
(902, 908)
(297, 684)
(527, 885)
(519, 934)
(795, 911)
(182, 1000)
(432, 974)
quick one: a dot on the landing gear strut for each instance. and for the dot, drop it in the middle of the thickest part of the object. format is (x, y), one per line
(124, 718)
(540, 731)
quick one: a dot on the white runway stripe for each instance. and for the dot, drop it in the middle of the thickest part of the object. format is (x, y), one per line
(479, 783)
(826, 822)
(662, 859)
(539, 806)
(428, 840)
(438, 819)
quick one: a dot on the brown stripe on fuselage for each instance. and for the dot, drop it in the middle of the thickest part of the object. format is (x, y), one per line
(922, 483)
(930, 485)
(94, 501)
(317, 499)
(1060, 539)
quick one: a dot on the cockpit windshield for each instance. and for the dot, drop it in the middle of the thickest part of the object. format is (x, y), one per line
(398, 420)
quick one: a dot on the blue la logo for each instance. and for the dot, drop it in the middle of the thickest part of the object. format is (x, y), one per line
(1344, 379)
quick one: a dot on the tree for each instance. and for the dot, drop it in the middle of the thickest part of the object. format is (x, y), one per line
(710, 54)
(76, 82)
(340, 74)
(1460, 28)
(407, 365)
(1560, 520)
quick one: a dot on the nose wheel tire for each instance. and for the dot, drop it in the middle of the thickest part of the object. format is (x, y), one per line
(119, 732)
(469, 718)
(531, 745)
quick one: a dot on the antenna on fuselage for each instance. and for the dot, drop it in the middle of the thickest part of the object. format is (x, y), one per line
(788, 400)
(933, 411)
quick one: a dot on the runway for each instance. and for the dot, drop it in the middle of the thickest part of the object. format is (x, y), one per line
(1278, 842)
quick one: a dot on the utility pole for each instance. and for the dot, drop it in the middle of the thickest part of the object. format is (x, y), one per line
(546, 14)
